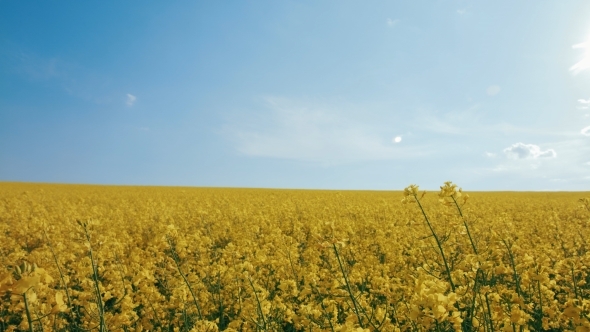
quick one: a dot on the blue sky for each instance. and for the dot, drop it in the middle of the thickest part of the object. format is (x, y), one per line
(493, 95)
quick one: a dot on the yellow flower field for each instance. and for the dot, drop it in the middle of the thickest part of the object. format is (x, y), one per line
(106, 258)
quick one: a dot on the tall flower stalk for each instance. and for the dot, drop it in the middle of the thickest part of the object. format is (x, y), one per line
(411, 196)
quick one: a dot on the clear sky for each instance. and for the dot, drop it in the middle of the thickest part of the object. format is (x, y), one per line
(493, 95)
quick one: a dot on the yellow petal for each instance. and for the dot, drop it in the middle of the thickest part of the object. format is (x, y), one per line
(439, 311)
(25, 283)
(59, 308)
(59, 298)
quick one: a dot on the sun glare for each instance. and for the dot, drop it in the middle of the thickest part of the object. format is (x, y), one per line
(584, 62)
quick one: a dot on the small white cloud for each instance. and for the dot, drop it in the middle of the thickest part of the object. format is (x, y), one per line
(528, 151)
(392, 23)
(585, 131)
(461, 11)
(397, 139)
(493, 90)
(583, 104)
(130, 99)
(584, 63)
(490, 155)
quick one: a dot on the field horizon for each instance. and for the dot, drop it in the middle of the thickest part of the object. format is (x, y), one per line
(431, 190)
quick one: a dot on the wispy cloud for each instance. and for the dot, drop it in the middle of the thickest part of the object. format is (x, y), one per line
(310, 131)
(584, 62)
(585, 131)
(493, 90)
(40, 69)
(392, 22)
(72, 78)
(473, 121)
(461, 11)
(459, 122)
(528, 151)
(130, 100)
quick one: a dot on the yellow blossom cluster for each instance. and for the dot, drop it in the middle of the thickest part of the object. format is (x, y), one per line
(106, 258)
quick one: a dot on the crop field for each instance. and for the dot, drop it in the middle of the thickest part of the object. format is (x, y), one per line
(106, 258)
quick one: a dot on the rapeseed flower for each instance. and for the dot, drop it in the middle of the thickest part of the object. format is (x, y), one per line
(237, 259)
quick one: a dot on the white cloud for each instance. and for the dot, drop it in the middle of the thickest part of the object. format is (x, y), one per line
(528, 151)
(490, 154)
(397, 139)
(584, 104)
(130, 99)
(584, 63)
(392, 23)
(311, 131)
(461, 11)
(493, 90)
(574, 152)
(585, 131)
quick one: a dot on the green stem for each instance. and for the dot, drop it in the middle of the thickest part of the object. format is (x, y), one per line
(438, 243)
(293, 268)
(184, 316)
(470, 312)
(489, 313)
(29, 320)
(574, 281)
(465, 224)
(102, 323)
(540, 297)
(122, 279)
(327, 315)
(155, 313)
(356, 310)
(61, 276)
(258, 303)
(175, 259)
(513, 265)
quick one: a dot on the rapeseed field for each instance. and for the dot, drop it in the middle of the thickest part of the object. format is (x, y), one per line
(101, 258)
